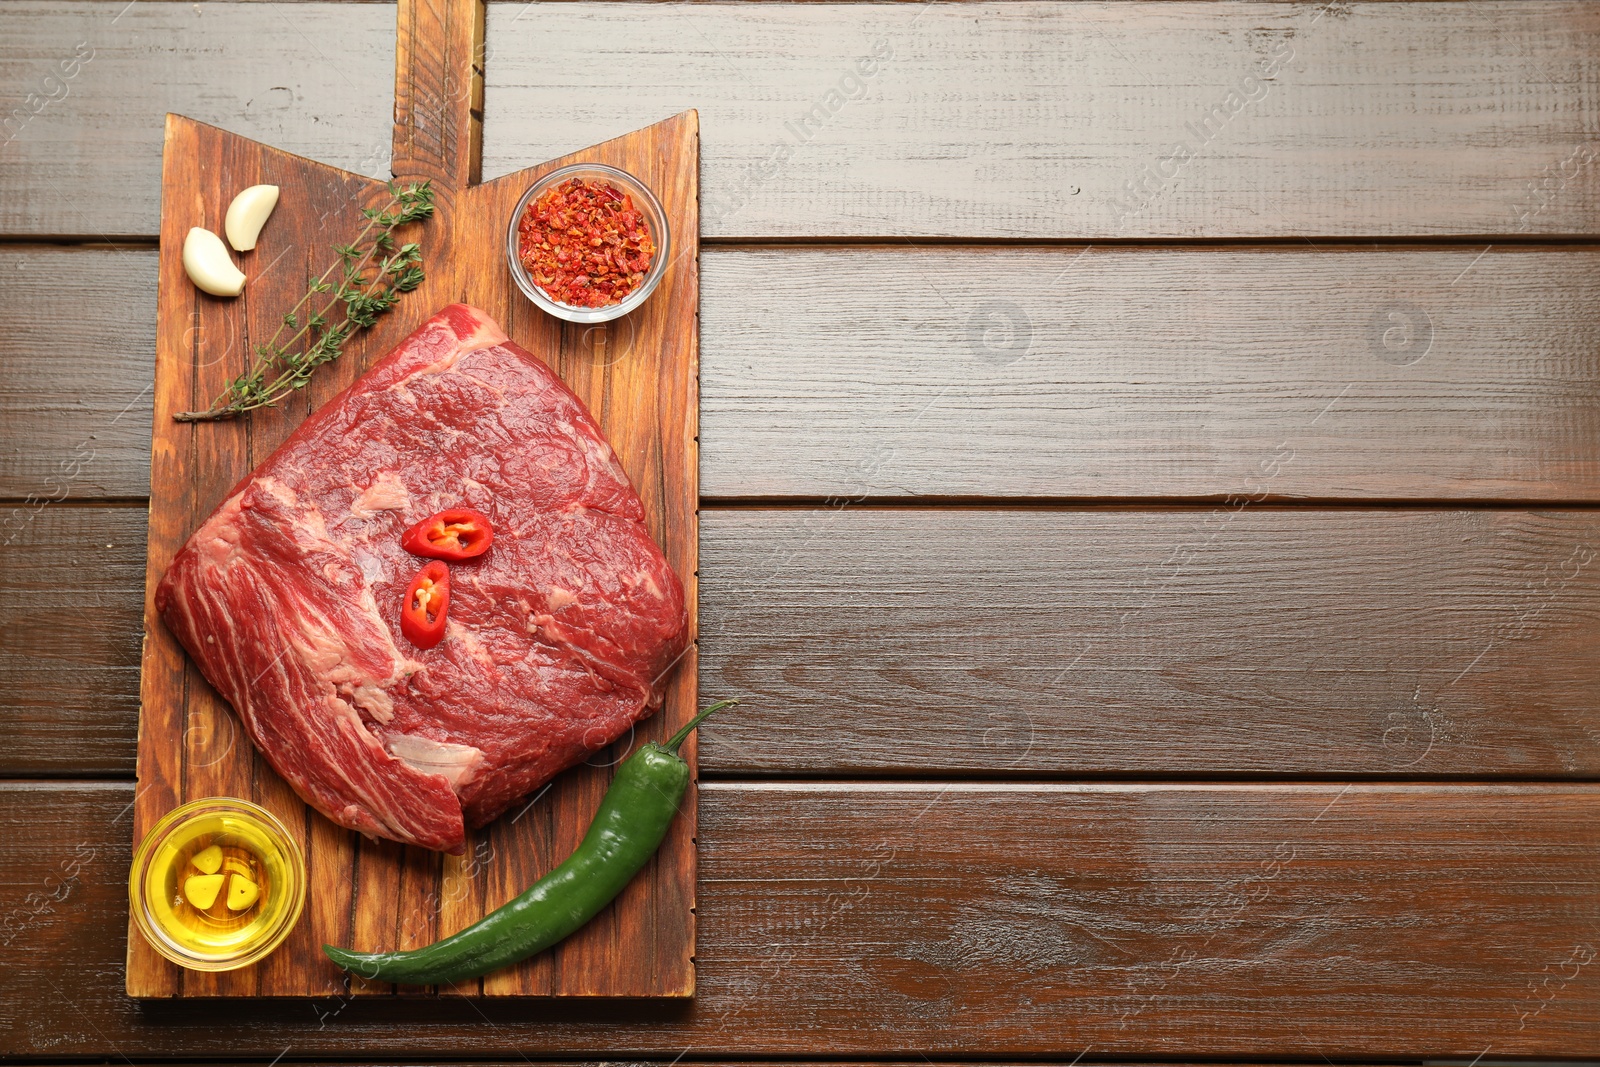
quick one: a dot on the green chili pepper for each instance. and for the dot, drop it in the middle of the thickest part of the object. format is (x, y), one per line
(627, 830)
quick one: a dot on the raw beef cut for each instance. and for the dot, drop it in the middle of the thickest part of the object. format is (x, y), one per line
(289, 596)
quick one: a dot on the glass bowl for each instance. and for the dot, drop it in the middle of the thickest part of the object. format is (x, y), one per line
(192, 938)
(643, 199)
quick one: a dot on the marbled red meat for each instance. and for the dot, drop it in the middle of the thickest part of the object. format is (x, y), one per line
(288, 597)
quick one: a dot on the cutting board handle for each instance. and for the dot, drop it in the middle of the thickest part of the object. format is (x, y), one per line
(438, 93)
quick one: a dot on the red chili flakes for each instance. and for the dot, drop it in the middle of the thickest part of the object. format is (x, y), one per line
(585, 244)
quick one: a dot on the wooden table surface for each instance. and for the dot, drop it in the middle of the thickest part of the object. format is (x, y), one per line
(1150, 467)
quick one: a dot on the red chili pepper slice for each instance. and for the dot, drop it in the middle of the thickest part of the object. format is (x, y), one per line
(427, 603)
(456, 534)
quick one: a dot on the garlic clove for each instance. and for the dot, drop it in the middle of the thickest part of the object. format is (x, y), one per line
(201, 890)
(242, 893)
(208, 264)
(208, 860)
(247, 214)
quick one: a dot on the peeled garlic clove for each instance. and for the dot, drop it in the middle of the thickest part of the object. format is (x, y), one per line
(202, 889)
(242, 893)
(208, 860)
(247, 214)
(210, 267)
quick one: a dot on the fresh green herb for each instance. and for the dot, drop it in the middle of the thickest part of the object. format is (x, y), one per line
(368, 279)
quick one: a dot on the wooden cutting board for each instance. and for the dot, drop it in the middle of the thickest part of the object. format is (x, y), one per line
(639, 376)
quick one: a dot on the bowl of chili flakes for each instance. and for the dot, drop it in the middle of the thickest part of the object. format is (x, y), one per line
(588, 243)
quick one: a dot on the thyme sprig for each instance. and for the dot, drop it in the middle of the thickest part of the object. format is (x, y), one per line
(368, 279)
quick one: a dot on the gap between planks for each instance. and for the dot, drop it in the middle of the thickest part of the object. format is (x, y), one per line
(36, 242)
(1131, 504)
(1265, 242)
(133, 242)
(913, 781)
(1019, 504)
(823, 1060)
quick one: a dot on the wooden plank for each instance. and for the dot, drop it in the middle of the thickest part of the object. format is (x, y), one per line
(1026, 120)
(934, 144)
(1024, 920)
(69, 670)
(1154, 642)
(89, 85)
(1138, 372)
(75, 363)
(645, 401)
(1107, 372)
(1268, 641)
(438, 111)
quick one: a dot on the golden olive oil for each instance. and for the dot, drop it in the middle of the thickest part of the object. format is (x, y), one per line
(247, 851)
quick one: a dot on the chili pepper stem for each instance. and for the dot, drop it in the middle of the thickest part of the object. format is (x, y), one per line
(683, 734)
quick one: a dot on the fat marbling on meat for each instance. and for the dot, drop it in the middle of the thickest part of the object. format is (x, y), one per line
(288, 597)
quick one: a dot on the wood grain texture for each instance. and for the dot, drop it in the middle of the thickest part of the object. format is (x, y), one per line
(75, 365)
(375, 895)
(1096, 372)
(1063, 119)
(438, 109)
(868, 642)
(1390, 118)
(69, 656)
(82, 142)
(1264, 921)
(1138, 372)
(1153, 642)
(905, 920)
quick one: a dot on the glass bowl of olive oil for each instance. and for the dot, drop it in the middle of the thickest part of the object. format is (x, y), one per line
(217, 884)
